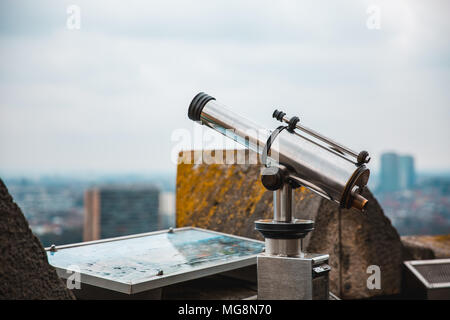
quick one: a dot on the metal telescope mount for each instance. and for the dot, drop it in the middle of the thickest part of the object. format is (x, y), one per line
(284, 234)
(293, 155)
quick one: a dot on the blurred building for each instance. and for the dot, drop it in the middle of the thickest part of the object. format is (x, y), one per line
(389, 175)
(397, 172)
(166, 210)
(407, 174)
(120, 210)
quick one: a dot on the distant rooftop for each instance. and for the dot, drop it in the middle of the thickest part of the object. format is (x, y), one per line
(127, 187)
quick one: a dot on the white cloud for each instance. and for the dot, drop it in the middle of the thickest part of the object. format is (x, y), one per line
(108, 97)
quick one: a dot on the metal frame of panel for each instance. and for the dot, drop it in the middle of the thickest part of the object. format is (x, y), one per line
(410, 265)
(163, 280)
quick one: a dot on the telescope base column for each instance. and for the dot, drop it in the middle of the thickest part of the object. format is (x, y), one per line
(283, 247)
(284, 271)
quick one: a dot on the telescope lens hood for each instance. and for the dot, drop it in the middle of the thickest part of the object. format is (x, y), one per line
(197, 105)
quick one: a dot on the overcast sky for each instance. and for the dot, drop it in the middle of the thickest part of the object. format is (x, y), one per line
(108, 96)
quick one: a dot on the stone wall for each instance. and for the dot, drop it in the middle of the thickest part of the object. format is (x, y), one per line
(230, 197)
(426, 247)
(24, 269)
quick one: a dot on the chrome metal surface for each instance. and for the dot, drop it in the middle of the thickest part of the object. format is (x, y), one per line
(289, 278)
(283, 204)
(322, 138)
(326, 174)
(283, 247)
(218, 117)
(315, 167)
(337, 153)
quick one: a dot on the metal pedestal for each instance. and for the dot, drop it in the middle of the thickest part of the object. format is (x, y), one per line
(293, 278)
(284, 271)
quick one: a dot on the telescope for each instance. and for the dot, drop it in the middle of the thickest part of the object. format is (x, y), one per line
(292, 155)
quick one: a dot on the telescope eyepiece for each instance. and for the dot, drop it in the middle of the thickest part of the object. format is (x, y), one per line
(197, 105)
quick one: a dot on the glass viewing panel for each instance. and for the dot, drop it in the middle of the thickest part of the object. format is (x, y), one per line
(139, 259)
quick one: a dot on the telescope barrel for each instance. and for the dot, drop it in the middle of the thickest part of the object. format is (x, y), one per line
(211, 113)
(332, 176)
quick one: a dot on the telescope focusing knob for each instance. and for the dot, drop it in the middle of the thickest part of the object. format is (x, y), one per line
(363, 157)
(292, 124)
(272, 178)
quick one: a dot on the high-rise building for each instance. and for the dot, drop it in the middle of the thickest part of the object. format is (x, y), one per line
(114, 211)
(407, 174)
(397, 172)
(389, 176)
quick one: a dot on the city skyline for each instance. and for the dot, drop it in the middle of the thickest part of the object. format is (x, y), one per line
(144, 175)
(55, 206)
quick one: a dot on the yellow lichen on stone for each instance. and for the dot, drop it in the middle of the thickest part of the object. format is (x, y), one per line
(215, 195)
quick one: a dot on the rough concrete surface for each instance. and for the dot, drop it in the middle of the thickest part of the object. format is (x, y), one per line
(230, 197)
(426, 247)
(24, 269)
